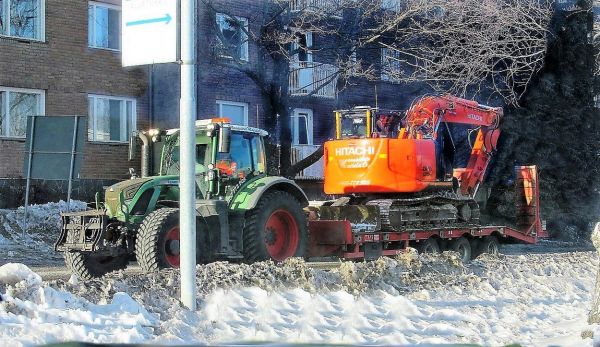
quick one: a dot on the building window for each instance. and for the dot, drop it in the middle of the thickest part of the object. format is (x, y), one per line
(15, 106)
(110, 119)
(232, 37)
(22, 18)
(302, 127)
(393, 5)
(391, 68)
(237, 112)
(104, 26)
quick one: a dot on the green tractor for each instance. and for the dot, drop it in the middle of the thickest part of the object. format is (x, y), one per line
(242, 213)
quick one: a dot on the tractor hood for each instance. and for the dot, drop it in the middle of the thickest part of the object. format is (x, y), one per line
(128, 188)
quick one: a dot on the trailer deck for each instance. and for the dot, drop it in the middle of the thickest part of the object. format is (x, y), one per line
(349, 240)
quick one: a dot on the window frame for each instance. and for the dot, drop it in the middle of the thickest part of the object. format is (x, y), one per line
(245, 105)
(41, 23)
(93, 119)
(309, 126)
(41, 107)
(93, 28)
(220, 18)
(395, 65)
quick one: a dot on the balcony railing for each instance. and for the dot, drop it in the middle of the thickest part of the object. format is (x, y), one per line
(316, 79)
(299, 152)
(329, 6)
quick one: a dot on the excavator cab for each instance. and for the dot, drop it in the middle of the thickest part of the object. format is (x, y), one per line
(365, 122)
(382, 152)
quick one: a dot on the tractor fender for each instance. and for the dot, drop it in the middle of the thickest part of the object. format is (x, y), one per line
(247, 197)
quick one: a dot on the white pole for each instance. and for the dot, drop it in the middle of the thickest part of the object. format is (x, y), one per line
(187, 155)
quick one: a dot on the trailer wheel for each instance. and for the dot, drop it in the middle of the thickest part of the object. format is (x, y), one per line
(430, 246)
(87, 265)
(157, 242)
(463, 247)
(490, 245)
(275, 229)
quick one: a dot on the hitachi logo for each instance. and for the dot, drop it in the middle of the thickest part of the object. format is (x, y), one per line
(475, 117)
(358, 151)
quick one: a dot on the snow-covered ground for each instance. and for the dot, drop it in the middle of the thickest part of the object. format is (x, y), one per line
(533, 299)
(536, 295)
(33, 245)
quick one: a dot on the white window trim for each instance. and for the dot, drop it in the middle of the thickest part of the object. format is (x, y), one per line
(220, 103)
(93, 29)
(244, 46)
(309, 46)
(42, 23)
(41, 106)
(309, 126)
(385, 76)
(94, 122)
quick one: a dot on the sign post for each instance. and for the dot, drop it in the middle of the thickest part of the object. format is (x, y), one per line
(187, 155)
(150, 36)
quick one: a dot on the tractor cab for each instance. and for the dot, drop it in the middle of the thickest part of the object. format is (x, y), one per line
(225, 154)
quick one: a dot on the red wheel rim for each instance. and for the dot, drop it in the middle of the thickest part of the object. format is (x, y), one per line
(172, 247)
(281, 235)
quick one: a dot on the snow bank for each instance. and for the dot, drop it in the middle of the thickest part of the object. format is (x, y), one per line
(11, 274)
(36, 246)
(538, 300)
(32, 313)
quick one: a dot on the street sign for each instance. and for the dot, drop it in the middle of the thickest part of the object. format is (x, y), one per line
(150, 32)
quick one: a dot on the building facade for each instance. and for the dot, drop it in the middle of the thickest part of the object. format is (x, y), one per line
(62, 57)
(225, 91)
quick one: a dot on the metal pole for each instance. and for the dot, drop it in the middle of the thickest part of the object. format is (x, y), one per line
(72, 167)
(187, 155)
(29, 164)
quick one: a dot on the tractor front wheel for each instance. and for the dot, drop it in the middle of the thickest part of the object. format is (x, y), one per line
(157, 243)
(275, 229)
(87, 265)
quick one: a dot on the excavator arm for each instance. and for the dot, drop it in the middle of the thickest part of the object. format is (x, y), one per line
(426, 115)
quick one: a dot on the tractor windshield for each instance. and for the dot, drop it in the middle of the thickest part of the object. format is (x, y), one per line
(202, 155)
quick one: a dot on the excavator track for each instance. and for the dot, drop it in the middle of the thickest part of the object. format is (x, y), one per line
(446, 209)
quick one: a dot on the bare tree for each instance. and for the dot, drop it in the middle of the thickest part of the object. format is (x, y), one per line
(467, 46)
(457, 46)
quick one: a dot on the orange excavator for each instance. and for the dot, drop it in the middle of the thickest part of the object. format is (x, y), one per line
(401, 167)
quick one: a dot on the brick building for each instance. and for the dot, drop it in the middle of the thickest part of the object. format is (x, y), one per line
(225, 91)
(62, 57)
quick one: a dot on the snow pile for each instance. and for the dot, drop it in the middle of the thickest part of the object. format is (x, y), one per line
(530, 299)
(31, 313)
(36, 246)
(11, 274)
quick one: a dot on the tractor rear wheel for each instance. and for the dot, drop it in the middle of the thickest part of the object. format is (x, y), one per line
(157, 242)
(87, 265)
(275, 229)
(462, 246)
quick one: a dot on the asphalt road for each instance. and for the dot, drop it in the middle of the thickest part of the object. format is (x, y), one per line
(58, 271)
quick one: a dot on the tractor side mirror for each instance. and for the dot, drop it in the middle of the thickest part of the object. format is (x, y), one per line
(224, 139)
(132, 145)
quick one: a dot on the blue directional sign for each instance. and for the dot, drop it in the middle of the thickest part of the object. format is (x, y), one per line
(149, 32)
(166, 19)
